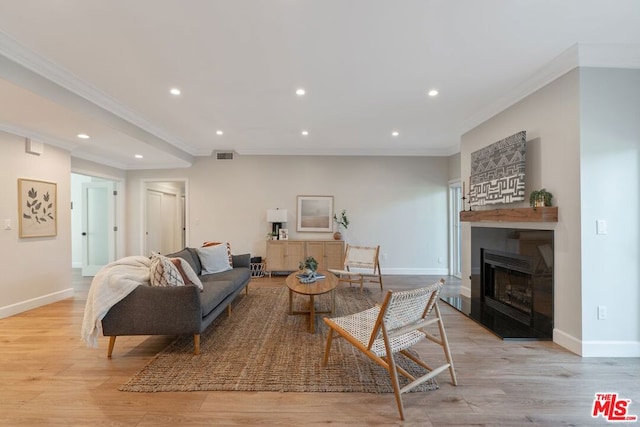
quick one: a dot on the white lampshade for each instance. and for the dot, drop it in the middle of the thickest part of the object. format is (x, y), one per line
(276, 215)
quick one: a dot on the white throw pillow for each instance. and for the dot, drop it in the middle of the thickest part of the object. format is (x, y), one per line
(214, 259)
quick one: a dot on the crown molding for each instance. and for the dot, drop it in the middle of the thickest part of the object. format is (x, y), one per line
(38, 136)
(578, 55)
(319, 151)
(50, 71)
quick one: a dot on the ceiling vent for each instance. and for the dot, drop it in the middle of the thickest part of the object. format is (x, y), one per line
(224, 156)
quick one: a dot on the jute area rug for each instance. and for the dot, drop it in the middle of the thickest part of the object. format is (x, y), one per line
(263, 348)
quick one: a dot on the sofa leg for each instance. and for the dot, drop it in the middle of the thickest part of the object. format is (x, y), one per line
(112, 342)
(229, 310)
(196, 344)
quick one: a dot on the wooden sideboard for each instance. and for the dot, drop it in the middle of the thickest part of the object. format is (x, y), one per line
(284, 255)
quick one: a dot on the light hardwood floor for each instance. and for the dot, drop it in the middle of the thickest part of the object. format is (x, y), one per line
(48, 377)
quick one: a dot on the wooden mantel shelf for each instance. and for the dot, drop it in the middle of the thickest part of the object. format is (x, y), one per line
(547, 214)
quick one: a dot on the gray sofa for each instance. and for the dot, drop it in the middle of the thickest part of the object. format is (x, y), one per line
(180, 310)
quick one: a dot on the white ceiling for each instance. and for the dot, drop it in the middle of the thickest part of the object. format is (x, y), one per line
(105, 67)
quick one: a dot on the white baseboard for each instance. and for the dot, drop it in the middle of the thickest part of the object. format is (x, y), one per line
(567, 341)
(596, 348)
(416, 271)
(610, 349)
(76, 264)
(21, 307)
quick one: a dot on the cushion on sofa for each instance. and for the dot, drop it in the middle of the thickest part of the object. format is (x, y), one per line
(189, 256)
(227, 244)
(238, 276)
(214, 259)
(188, 275)
(162, 272)
(214, 293)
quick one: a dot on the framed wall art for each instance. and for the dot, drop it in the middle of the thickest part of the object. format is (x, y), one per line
(315, 213)
(37, 208)
(498, 171)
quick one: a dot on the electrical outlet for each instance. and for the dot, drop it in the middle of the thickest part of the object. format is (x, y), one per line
(440, 260)
(384, 256)
(602, 312)
(7, 224)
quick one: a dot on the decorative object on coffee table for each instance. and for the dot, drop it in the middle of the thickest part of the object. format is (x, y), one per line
(308, 269)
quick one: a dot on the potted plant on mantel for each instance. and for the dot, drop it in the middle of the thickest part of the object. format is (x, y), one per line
(341, 221)
(540, 198)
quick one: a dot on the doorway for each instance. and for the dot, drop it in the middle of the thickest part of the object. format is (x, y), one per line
(93, 222)
(455, 206)
(164, 216)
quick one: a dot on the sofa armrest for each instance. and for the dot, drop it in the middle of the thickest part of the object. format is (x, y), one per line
(151, 310)
(243, 260)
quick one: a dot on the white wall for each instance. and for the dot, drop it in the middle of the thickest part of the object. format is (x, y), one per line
(397, 202)
(35, 271)
(610, 184)
(550, 117)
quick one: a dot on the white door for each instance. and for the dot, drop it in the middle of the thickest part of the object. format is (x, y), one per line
(170, 223)
(98, 226)
(154, 222)
(164, 228)
(455, 206)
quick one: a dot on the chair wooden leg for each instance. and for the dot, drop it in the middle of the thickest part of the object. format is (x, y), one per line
(112, 342)
(196, 344)
(327, 348)
(393, 373)
(445, 346)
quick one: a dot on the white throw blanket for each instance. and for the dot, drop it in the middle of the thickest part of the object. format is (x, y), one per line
(112, 283)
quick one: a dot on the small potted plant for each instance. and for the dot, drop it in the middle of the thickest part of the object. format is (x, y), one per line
(540, 198)
(309, 265)
(341, 221)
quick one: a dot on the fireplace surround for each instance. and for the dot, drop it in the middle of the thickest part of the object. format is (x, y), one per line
(511, 282)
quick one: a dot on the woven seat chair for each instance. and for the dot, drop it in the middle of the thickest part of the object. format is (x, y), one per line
(394, 327)
(365, 260)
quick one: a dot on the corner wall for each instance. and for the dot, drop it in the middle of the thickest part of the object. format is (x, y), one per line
(610, 184)
(35, 271)
(550, 116)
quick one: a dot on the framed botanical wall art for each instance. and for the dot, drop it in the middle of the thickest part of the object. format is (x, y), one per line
(37, 208)
(315, 213)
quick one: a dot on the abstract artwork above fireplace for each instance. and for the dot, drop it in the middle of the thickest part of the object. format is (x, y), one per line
(498, 170)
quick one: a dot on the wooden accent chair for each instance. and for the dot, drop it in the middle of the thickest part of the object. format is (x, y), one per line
(393, 327)
(363, 258)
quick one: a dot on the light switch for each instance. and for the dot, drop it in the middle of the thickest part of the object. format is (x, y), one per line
(7, 224)
(601, 226)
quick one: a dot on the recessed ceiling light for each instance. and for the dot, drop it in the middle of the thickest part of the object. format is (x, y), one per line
(219, 132)
(433, 92)
(83, 136)
(305, 133)
(395, 133)
(300, 92)
(175, 91)
(138, 156)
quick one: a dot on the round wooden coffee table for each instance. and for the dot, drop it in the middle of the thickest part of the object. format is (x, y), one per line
(319, 287)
